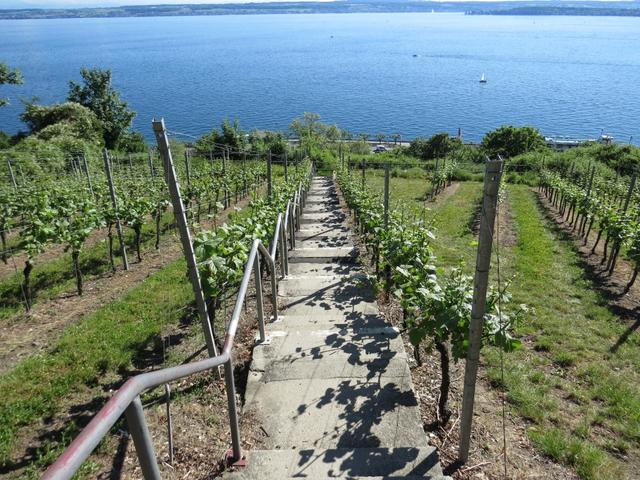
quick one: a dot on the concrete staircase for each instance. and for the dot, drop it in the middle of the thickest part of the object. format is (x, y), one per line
(332, 388)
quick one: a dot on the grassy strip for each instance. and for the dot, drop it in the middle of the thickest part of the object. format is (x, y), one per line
(106, 341)
(567, 380)
(451, 219)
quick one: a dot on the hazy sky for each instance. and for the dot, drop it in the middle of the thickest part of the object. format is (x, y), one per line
(111, 3)
(104, 3)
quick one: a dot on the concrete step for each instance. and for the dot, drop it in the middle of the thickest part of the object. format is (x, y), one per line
(329, 353)
(322, 208)
(318, 412)
(324, 255)
(410, 463)
(325, 268)
(325, 242)
(297, 285)
(338, 320)
(334, 304)
(310, 229)
(325, 218)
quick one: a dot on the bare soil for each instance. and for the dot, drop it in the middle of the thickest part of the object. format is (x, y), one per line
(505, 224)
(448, 191)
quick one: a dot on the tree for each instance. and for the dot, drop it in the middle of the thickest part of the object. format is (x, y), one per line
(438, 146)
(132, 142)
(98, 95)
(230, 135)
(9, 76)
(509, 141)
(80, 120)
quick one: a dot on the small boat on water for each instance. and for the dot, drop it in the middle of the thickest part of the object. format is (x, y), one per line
(483, 79)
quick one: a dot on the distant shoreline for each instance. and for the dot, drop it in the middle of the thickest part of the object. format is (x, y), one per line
(562, 11)
(588, 8)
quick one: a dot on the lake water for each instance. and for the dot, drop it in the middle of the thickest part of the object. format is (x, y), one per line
(415, 74)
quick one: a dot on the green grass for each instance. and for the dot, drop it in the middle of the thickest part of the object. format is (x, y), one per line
(581, 397)
(451, 218)
(107, 341)
(572, 332)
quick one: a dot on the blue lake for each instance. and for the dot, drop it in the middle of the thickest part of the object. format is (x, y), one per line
(415, 74)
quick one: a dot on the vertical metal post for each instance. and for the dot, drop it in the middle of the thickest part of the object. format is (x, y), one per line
(292, 221)
(142, 440)
(363, 175)
(493, 172)
(185, 234)
(233, 410)
(114, 203)
(86, 171)
(259, 302)
(269, 178)
(167, 391)
(13, 177)
(386, 195)
(283, 249)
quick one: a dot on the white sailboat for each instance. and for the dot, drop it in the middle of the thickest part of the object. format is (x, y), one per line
(483, 79)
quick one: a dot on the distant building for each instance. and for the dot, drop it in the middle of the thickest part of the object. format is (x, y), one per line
(564, 143)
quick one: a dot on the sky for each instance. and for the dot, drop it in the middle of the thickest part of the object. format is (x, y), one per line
(111, 3)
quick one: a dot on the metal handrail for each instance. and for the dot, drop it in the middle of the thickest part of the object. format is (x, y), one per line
(127, 399)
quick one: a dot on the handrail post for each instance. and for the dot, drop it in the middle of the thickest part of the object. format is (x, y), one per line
(292, 230)
(142, 440)
(257, 274)
(274, 293)
(283, 250)
(230, 387)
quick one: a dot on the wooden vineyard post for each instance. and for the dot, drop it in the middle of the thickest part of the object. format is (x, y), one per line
(615, 250)
(493, 172)
(286, 168)
(114, 203)
(435, 179)
(187, 166)
(363, 174)
(386, 195)
(269, 178)
(11, 175)
(185, 235)
(152, 171)
(244, 173)
(86, 171)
